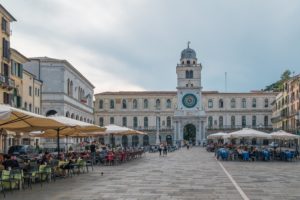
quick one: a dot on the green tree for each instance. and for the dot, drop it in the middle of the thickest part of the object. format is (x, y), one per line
(278, 85)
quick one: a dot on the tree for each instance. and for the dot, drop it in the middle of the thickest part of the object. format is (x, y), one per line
(278, 85)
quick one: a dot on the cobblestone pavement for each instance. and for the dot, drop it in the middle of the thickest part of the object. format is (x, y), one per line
(184, 174)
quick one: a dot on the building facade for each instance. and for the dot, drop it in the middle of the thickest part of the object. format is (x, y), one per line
(65, 92)
(188, 114)
(286, 108)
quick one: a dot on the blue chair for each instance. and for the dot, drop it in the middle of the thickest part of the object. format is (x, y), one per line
(266, 155)
(245, 155)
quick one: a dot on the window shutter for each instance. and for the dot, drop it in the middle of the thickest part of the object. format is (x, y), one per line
(21, 71)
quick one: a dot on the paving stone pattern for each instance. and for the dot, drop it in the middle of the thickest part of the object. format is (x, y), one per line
(184, 174)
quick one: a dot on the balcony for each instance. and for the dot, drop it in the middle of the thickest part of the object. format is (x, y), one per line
(7, 82)
(238, 127)
(153, 129)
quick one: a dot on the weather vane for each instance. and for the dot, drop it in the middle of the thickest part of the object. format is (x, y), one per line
(188, 44)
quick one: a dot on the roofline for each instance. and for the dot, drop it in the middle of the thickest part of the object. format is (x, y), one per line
(175, 92)
(25, 58)
(54, 60)
(7, 13)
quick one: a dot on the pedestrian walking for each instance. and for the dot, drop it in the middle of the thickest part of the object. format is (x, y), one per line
(187, 146)
(165, 150)
(159, 150)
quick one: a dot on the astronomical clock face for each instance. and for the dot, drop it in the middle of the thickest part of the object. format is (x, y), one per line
(189, 100)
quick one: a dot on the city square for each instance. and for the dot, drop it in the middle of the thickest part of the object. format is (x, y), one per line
(184, 174)
(149, 100)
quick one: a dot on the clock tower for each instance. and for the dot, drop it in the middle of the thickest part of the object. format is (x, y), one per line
(189, 117)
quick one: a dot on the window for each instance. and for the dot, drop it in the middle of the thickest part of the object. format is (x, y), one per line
(266, 121)
(4, 25)
(124, 121)
(221, 103)
(25, 105)
(189, 74)
(134, 104)
(145, 122)
(221, 122)
(67, 114)
(6, 98)
(111, 104)
(157, 104)
(100, 104)
(5, 50)
(253, 121)
(101, 121)
(145, 103)
(38, 92)
(124, 104)
(169, 122)
(30, 107)
(135, 122)
(210, 103)
(232, 103)
(168, 103)
(244, 121)
(30, 91)
(266, 103)
(188, 62)
(253, 103)
(232, 121)
(72, 116)
(243, 103)
(71, 89)
(35, 91)
(111, 120)
(210, 122)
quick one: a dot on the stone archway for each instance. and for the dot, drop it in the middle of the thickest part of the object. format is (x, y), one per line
(189, 133)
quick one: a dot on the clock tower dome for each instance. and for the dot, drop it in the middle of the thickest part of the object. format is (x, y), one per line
(189, 115)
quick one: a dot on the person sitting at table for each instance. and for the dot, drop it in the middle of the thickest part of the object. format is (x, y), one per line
(10, 162)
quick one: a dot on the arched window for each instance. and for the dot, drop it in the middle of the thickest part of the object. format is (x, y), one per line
(124, 121)
(169, 122)
(254, 121)
(169, 103)
(72, 116)
(221, 103)
(145, 140)
(210, 122)
(188, 62)
(169, 139)
(145, 103)
(210, 103)
(157, 104)
(71, 89)
(100, 104)
(101, 121)
(221, 122)
(68, 86)
(266, 103)
(111, 104)
(135, 141)
(253, 103)
(135, 122)
(111, 120)
(81, 119)
(124, 104)
(244, 123)
(232, 103)
(232, 122)
(77, 117)
(191, 74)
(84, 119)
(187, 74)
(145, 122)
(244, 103)
(50, 112)
(134, 104)
(67, 114)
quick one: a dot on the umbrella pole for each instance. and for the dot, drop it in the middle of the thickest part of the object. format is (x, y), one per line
(58, 148)
(67, 144)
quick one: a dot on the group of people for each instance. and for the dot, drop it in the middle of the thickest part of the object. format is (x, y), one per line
(163, 148)
(8, 162)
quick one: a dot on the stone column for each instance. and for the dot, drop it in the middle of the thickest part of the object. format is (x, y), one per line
(202, 131)
(199, 133)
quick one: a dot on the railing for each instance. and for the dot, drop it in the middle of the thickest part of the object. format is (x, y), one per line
(229, 127)
(152, 128)
(6, 81)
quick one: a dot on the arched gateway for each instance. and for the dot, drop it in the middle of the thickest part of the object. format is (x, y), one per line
(189, 133)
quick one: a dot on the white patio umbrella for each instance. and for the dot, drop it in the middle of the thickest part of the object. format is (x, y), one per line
(219, 135)
(249, 133)
(18, 120)
(121, 130)
(282, 135)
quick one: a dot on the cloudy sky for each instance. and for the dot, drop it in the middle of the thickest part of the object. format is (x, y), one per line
(136, 44)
